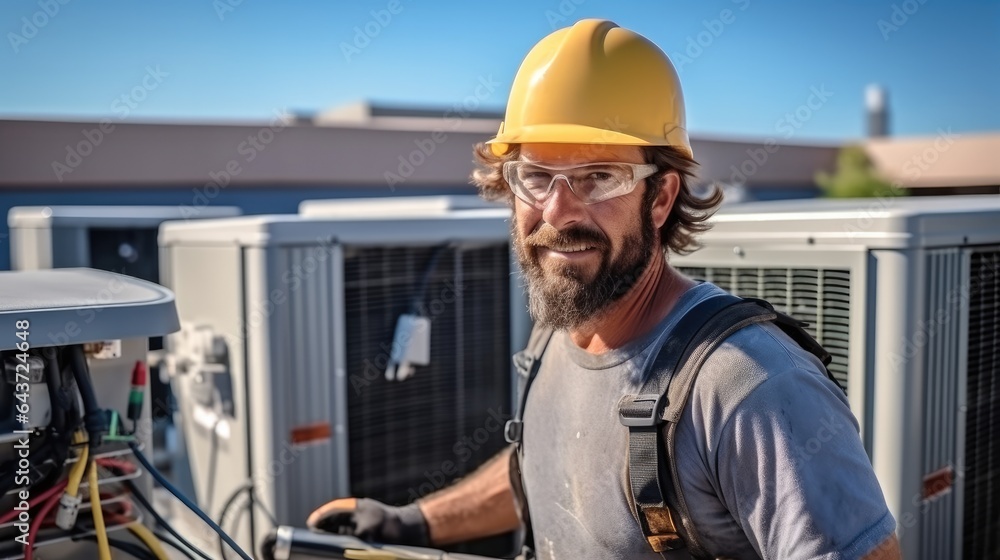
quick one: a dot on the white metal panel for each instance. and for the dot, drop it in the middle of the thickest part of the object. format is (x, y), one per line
(485, 225)
(854, 260)
(382, 208)
(893, 222)
(898, 384)
(216, 442)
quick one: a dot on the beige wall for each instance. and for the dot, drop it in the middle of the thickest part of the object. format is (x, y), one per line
(130, 155)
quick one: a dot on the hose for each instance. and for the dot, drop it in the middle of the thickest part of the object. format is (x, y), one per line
(146, 464)
(103, 548)
(149, 539)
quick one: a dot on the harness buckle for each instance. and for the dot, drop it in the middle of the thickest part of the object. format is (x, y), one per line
(641, 410)
(513, 430)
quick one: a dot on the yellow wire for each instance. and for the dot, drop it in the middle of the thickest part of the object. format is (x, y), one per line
(103, 548)
(150, 540)
(76, 472)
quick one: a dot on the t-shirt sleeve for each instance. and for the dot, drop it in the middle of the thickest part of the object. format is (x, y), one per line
(794, 475)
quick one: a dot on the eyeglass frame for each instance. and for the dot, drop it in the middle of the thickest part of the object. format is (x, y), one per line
(640, 172)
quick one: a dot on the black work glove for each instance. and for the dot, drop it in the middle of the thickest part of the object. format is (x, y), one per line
(373, 521)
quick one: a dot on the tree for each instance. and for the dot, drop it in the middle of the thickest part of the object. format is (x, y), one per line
(855, 177)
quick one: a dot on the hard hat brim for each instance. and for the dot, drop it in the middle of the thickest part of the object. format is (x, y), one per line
(583, 134)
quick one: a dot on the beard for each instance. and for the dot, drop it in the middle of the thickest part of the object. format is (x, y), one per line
(561, 296)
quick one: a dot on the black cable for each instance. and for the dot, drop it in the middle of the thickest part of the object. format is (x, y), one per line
(53, 380)
(184, 499)
(421, 293)
(94, 419)
(257, 502)
(267, 546)
(174, 544)
(252, 493)
(225, 509)
(163, 522)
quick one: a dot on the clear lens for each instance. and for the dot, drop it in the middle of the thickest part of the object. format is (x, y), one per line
(591, 183)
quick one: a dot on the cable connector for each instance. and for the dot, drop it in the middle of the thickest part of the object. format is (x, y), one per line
(411, 346)
(135, 395)
(69, 507)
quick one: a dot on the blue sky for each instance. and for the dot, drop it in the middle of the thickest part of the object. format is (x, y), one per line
(742, 71)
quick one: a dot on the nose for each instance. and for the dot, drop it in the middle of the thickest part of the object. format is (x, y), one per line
(563, 208)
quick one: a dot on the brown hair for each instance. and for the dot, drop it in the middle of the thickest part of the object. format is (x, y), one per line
(688, 217)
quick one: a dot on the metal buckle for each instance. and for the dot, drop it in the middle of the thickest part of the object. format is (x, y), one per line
(641, 410)
(513, 430)
(523, 362)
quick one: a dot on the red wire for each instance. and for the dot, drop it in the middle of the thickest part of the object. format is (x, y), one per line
(57, 489)
(37, 524)
(115, 463)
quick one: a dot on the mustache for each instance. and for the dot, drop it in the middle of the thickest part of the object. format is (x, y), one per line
(548, 236)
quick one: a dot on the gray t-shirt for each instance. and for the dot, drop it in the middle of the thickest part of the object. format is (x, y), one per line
(770, 459)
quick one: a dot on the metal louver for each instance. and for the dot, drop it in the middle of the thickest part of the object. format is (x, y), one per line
(408, 438)
(820, 297)
(981, 531)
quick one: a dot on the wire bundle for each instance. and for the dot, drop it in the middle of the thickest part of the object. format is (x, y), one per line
(85, 431)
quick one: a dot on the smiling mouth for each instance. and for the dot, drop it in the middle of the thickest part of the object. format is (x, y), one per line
(570, 248)
(569, 252)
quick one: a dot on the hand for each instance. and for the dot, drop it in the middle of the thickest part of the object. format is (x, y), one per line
(372, 520)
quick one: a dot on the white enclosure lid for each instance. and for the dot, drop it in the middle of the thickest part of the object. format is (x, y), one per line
(485, 225)
(919, 221)
(394, 206)
(110, 216)
(76, 305)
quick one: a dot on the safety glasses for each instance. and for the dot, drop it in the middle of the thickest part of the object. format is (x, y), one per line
(591, 182)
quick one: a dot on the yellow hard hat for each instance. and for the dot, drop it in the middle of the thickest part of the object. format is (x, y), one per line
(595, 83)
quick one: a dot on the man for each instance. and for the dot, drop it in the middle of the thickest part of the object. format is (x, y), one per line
(595, 160)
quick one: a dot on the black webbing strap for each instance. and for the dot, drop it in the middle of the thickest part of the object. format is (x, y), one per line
(652, 475)
(527, 362)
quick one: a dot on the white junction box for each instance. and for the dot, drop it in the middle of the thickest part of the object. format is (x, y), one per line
(905, 293)
(75, 319)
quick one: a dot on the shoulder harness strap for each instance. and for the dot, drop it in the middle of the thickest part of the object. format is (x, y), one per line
(527, 362)
(652, 474)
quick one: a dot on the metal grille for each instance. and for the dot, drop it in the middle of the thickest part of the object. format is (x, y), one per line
(938, 337)
(981, 531)
(412, 437)
(820, 297)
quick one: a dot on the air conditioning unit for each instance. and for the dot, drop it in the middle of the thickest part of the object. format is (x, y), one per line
(289, 325)
(118, 239)
(905, 293)
(115, 238)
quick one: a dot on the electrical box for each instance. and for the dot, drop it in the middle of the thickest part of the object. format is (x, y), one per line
(45, 317)
(905, 293)
(289, 327)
